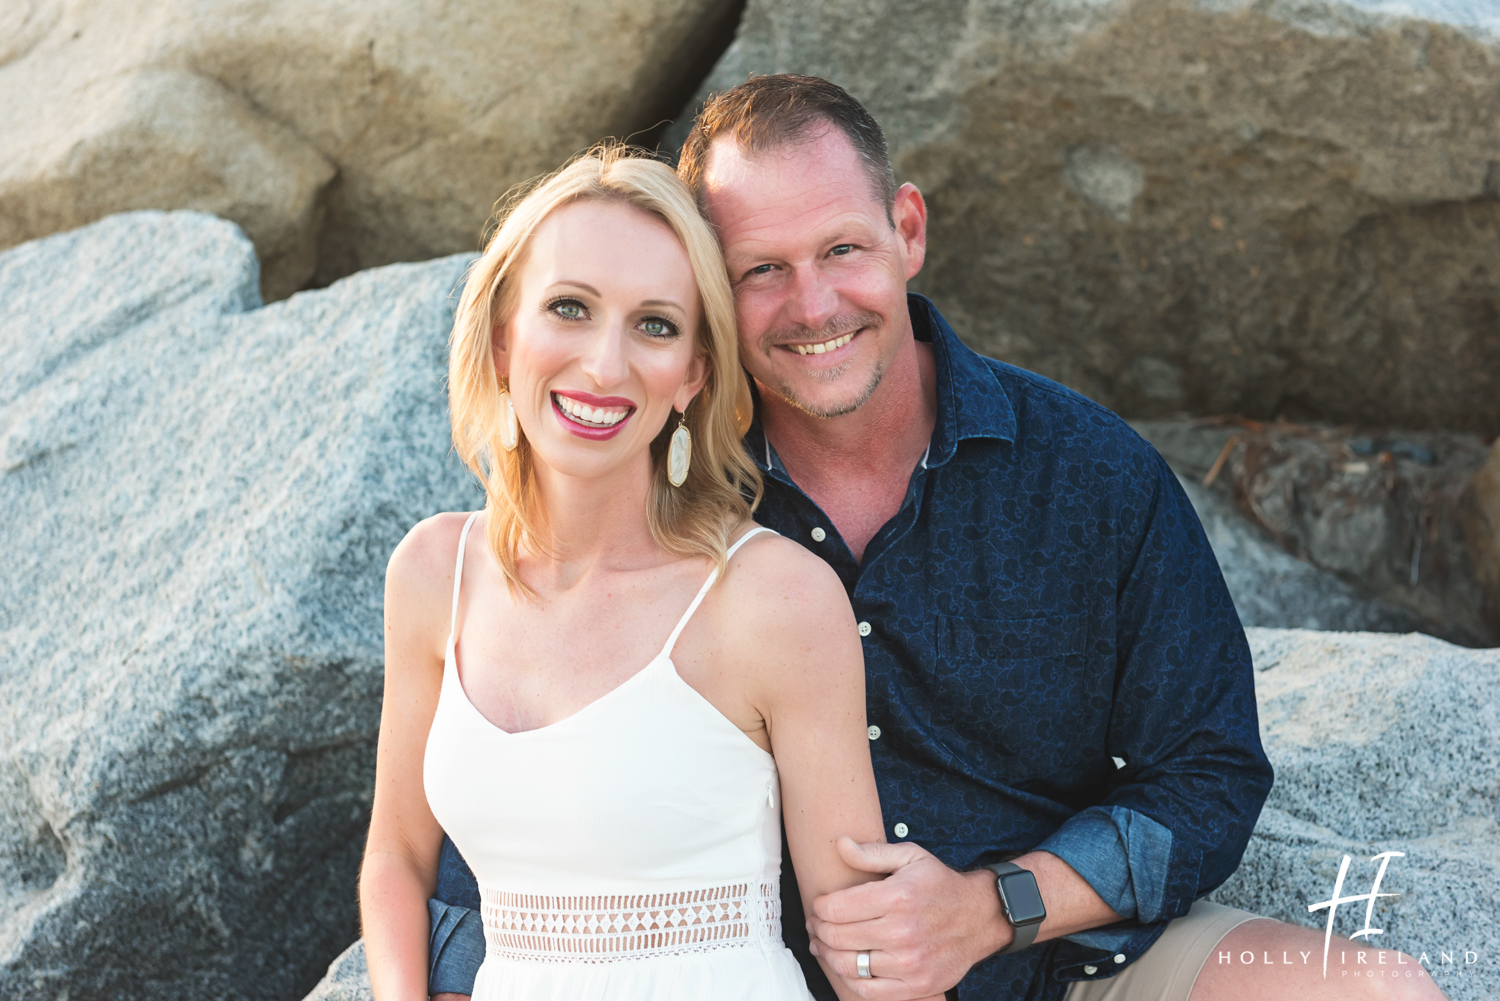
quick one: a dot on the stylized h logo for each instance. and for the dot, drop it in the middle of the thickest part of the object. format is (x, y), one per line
(1332, 904)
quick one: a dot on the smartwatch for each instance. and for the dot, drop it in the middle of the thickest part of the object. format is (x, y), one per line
(1020, 902)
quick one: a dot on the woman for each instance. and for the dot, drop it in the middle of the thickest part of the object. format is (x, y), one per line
(606, 683)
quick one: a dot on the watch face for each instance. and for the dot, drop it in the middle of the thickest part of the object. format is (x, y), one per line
(1023, 902)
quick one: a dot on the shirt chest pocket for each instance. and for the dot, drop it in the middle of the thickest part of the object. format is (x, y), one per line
(1020, 686)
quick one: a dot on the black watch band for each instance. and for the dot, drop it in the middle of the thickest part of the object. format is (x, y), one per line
(1020, 902)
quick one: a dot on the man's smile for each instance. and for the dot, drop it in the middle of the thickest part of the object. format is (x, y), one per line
(823, 347)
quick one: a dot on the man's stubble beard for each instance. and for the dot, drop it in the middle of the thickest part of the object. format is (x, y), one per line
(836, 327)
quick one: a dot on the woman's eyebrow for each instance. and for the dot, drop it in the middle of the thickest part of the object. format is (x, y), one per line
(662, 302)
(579, 285)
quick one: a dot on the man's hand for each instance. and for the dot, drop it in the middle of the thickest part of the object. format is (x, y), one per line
(924, 925)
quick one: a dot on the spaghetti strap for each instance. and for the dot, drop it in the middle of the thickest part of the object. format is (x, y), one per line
(458, 573)
(713, 575)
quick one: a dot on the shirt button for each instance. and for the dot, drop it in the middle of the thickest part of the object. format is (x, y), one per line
(901, 830)
(1091, 970)
(819, 535)
(864, 629)
(1119, 957)
(874, 732)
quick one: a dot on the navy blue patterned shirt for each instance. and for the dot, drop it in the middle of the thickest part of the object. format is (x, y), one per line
(1052, 659)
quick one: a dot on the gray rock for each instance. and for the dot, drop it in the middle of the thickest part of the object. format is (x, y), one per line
(1479, 514)
(1382, 743)
(1273, 588)
(1218, 206)
(348, 978)
(200, 496)
(1381, 512)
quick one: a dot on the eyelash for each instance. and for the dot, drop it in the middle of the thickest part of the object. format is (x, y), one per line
(552, 306)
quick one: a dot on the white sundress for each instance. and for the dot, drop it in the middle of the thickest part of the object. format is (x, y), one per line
(629, 851)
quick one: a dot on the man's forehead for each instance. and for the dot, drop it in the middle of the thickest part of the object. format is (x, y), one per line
(801, 174)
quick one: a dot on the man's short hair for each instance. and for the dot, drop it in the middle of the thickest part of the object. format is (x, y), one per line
(766, 112)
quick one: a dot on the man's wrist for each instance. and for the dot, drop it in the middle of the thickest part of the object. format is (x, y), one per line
(993, 931)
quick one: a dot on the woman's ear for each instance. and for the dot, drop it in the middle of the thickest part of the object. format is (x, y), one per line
(499, 341)
(692, 385)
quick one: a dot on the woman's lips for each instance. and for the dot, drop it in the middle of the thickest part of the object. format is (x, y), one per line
(593, 417)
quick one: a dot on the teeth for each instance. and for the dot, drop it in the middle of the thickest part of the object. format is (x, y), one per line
(597, 416)
(825, 347)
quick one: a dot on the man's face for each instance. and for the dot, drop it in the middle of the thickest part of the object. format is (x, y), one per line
(818, 271)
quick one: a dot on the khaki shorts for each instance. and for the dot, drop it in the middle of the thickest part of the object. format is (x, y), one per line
(1168, 969)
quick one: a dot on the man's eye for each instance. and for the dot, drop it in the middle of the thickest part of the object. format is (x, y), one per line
(657, 327)
(842, 249)
(760, 269)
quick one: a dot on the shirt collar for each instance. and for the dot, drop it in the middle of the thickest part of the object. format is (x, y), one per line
(971, 403)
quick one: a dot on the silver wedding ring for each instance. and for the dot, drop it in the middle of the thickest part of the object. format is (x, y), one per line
(862, 966)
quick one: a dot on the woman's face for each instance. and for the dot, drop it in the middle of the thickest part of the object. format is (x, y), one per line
(601, 349)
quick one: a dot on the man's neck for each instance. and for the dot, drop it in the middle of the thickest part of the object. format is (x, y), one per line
(856, 467)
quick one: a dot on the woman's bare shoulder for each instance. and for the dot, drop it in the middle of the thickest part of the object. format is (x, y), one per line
(419, 576)
(777, 595)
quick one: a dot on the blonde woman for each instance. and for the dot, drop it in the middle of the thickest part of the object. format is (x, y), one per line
(609, 686)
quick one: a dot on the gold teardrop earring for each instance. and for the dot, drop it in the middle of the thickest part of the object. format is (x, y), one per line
(510, 428)
(680, 453)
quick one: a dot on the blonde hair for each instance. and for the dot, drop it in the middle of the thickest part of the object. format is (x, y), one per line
(723, 486)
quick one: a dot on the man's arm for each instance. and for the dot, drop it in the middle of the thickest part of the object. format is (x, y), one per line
(1175, 821)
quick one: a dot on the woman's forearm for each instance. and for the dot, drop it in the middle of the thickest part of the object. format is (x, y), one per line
(393, 914)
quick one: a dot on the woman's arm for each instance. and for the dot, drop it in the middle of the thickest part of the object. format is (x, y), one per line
(802, 645)
(400, 863)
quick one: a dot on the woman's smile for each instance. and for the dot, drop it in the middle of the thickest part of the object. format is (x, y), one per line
(589, 416)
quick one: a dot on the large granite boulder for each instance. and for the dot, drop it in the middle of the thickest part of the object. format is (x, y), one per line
(1382, 743)
(339, 135)
(1218, 206)
(200, 496)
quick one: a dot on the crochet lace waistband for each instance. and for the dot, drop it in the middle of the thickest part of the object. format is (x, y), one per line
(610, 928)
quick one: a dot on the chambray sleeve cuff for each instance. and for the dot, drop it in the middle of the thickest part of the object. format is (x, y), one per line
(1123, 855)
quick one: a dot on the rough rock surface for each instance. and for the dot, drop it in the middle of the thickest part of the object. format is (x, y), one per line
(1221, 206)
(1382, 743)
(1384, 512)
(200, 496)
(348, 978)
(1480, 517)
(1273, 588)
(339, 135)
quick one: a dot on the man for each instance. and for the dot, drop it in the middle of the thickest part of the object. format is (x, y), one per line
(1056, 675)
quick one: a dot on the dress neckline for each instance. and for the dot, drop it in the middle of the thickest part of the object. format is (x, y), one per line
(450, 656)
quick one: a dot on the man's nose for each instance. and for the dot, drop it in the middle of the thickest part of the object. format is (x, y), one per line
(813, 300)
(604, 357)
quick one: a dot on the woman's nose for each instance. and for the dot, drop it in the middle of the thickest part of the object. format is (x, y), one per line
(604, 359)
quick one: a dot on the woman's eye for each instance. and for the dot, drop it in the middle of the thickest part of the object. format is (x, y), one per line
(568, 310)
(657, 327)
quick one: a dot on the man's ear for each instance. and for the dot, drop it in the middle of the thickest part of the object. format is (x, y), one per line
(499, 342)
(697, 378)
(909, 213)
